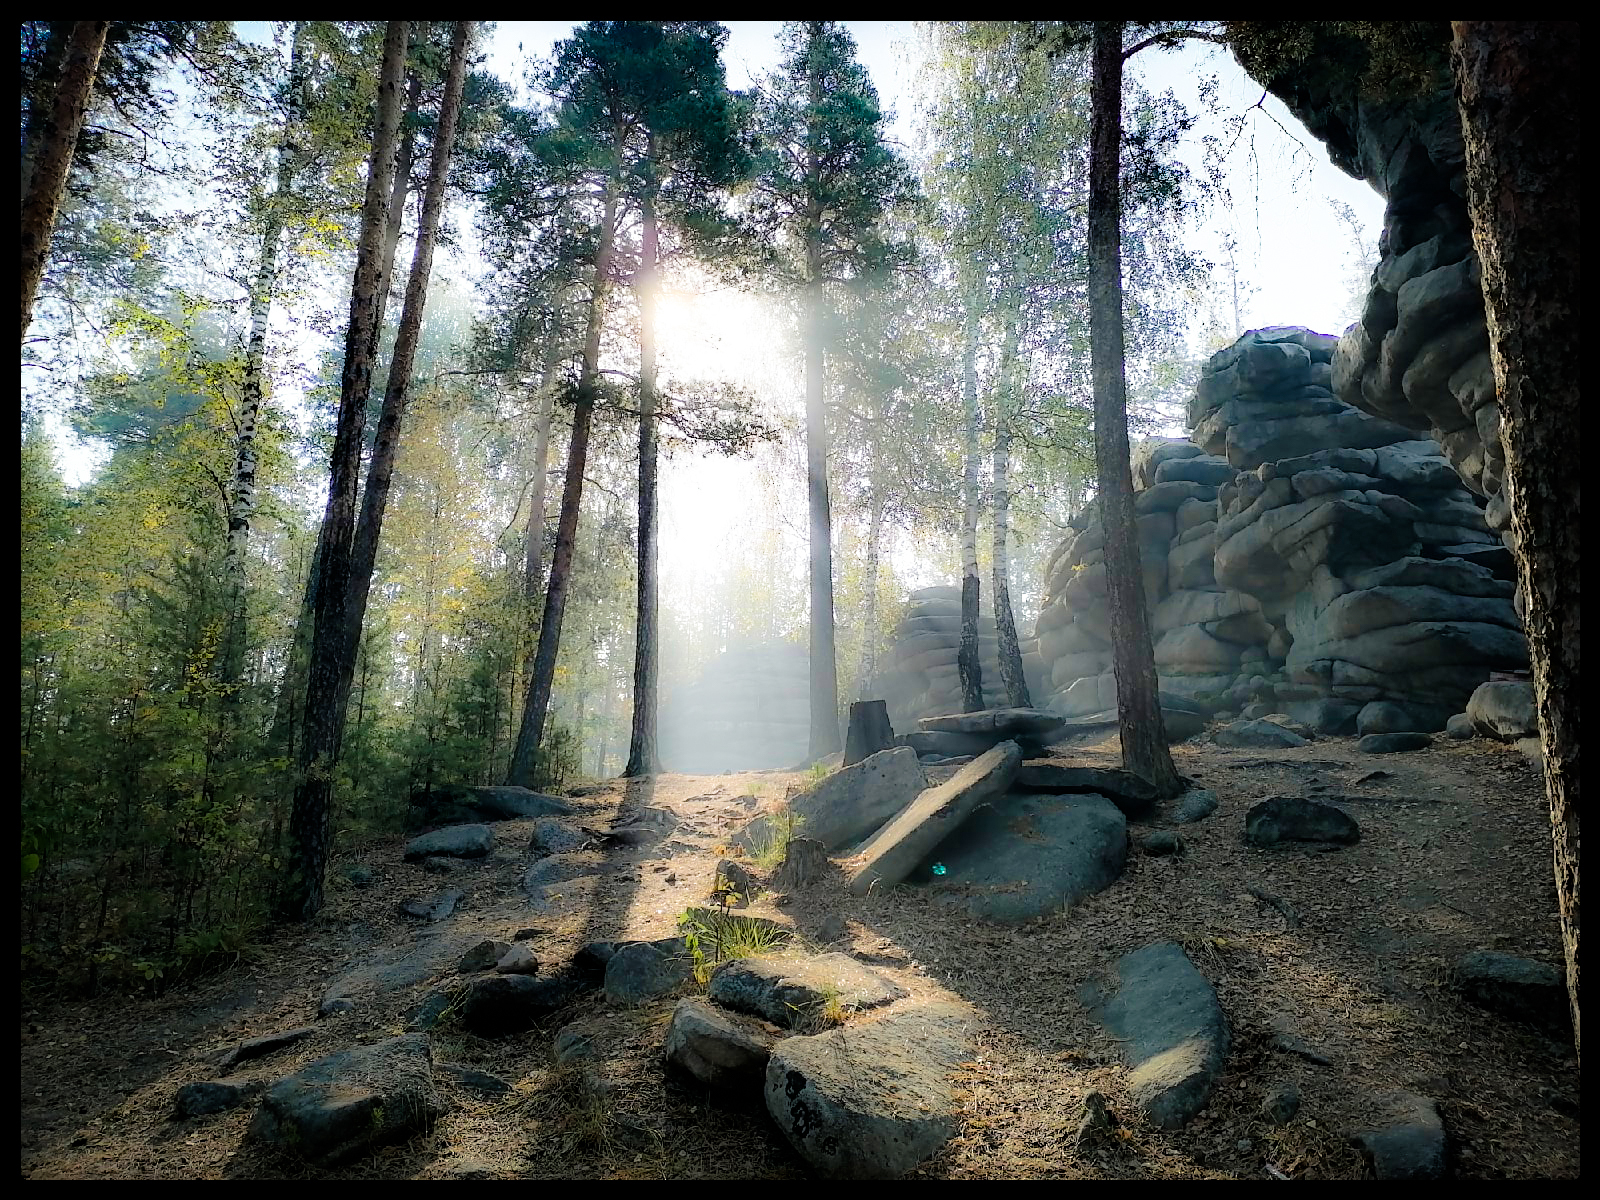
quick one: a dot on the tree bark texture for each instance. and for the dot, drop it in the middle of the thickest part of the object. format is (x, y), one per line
(642, 739)
(1144, 743)
(322, 724)
(869, 731)
(969, 668)
(1520, 91)
(1010, 653)
(533, 542)
(398, 194)
(536, 707)
(386, 445)
(867, 675)
(52, 160)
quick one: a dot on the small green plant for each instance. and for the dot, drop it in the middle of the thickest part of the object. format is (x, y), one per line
(717, 937)
(816, 773)
(772, 844)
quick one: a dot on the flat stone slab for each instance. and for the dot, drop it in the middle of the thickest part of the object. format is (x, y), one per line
(211, 1096)
(723, 1050)
(1024, 856)
(1257, 734)
(872, 1100)
(455, 802)
(433, 907)
(1008, 722)
(1404, 1138)
(896, 849)
(787, 991)
(260, 1047)
(456, 841)
(852, 802)
(933, 744)
(552, 836)
(352, 1101)
(1280, 819)
(1133, 794)
(1392, 743)
(1519, 988)
(1174, 1034)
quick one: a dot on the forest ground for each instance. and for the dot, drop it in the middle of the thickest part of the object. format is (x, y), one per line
(1454, 856)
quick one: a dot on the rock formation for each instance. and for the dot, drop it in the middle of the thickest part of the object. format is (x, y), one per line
(1296, 550)
(921, 677)
(748, 711)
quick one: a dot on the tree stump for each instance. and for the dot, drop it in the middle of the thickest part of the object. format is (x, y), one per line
(804, 861)
(869, 731)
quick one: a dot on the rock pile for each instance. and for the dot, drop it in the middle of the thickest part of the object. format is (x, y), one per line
(749, 711)
(1298, 551)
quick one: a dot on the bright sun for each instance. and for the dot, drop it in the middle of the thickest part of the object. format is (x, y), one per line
(719, 333)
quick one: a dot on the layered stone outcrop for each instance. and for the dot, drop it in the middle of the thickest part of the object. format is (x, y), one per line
(1419, 355)
(920, 677)
(749, 710)
(1297, 550)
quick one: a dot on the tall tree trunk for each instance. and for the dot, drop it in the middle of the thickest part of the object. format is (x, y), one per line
(53, 160)
(1010, 653)
(533, 542)
(536, 708)
(1144, 742)
(642, 741)
(824, 666)
(397, 195)
(41, 100)
(869, 616)
(322, 725)
(1520, 95)
(242, 493)
(968, 665)
(385, 447)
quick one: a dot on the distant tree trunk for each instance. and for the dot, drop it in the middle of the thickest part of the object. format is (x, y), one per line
(322, 724)
(386, 445)
(397, 197)
(1010, 653)
(1520, 91)
(242, 493)
(968, 665)
(824, 665)
(1144, 743)
(642, 742)
(53, 160)
(524, 761)
(869, 616)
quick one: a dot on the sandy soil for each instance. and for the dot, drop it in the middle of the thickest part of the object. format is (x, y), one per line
(1455, 856)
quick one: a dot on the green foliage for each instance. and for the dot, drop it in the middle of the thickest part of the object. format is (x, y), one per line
(717, 937)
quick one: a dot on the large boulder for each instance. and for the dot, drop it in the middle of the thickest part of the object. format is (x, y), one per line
(1519, 988)
(847, 805)
(352, 1101)
(723, 1050)
(1025, 856)
(1172, 1030)
(895, 850)
(872, 1100)
(457, 841)
(1504, 709)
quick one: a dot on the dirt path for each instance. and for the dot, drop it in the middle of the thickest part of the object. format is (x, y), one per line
(1455, 856)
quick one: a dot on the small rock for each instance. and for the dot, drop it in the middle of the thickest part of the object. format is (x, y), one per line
(574, 1042)
(352, 1101)
(642, 971)
(428, 1012)
(333, 1005)
(434, 865)
(1391, 743)
(733, 880)
(832, 929)
(1384, 716)
(785, 990)
(212, 1096)
(360, 874)
(1519, 988)
(551, 836)
(1504, 709)
(1194, 805)
(1253, 712)
(471, 1077)
(1281, 1102)
(1096, 1119)
(1532, 750)
(1297, 819)
(526, 933)
(1161, 843)
(720, 1049)
(501, 1004)
(434, 907)
(482, 956)
(517, 960)
(1460, 728)
(262, 1046)
(589, 962)
(1405, 1139)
